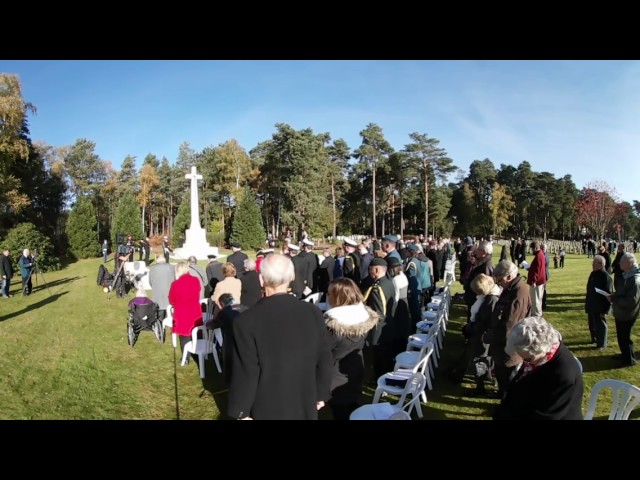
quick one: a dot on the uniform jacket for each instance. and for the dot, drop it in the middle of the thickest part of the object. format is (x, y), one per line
(380, 297)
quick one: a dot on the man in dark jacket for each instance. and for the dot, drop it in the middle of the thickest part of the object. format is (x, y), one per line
(6, 272)
(166, 249)
(326, 270)
(626, 307)
(513, 305)
(282, 362)
(214, 274)
(250, 280)
(237, 257)
(618, 281)
(380, 297)
(596, 306)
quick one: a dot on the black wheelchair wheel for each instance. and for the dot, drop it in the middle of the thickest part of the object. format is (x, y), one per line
(158, 331)
(132, 336)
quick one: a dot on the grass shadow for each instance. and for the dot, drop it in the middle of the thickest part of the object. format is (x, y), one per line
(42, 283)
(214, 383)
(41, 303)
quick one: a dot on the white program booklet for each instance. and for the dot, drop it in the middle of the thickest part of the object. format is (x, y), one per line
(602, 292)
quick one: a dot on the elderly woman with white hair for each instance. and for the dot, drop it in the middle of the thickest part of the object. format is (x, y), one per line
(548, 385)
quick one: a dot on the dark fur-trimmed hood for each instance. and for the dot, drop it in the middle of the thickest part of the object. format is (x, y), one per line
(351, 320)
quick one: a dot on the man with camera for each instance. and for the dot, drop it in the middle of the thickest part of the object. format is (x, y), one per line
(26, 263)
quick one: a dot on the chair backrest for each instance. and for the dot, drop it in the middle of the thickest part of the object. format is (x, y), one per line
(421, 366)
(625, 397)
(313, 298)
(414, 387)
(579, 364)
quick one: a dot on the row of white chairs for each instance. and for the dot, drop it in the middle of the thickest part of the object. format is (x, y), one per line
(416, 365)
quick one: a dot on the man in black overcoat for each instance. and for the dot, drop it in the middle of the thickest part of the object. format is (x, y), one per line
(282, 363)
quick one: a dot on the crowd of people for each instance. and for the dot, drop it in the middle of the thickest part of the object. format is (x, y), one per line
(285, 358)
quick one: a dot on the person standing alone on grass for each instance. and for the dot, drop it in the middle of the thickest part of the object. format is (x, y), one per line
(26, 267)
(596, 306)
(6, 272)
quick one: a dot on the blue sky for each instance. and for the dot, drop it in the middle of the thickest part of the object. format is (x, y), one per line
(566, 117)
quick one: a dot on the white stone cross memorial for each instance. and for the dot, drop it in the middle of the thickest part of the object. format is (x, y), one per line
(195, 236)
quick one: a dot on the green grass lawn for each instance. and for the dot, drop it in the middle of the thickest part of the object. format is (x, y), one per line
(64, 355)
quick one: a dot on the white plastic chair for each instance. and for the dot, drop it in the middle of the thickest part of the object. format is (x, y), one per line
(313, 298)
(423, 367)
(167, 322)
(625, 397)
(385, 410)
(201, 347)
(450, 271)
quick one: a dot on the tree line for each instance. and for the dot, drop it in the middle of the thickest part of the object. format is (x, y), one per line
(299, 179)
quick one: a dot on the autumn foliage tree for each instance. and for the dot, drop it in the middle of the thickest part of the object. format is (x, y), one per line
(597, 207)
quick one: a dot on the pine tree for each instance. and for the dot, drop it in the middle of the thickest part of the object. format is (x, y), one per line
(182, 220)
(127, 218)
(247, 223)
(82, 230)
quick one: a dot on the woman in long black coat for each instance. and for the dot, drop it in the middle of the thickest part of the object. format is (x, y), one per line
(348, 321)
(596, 306)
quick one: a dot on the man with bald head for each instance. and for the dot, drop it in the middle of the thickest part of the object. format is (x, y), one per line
(282, 363)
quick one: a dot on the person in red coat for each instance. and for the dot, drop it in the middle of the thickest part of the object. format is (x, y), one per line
(537, 278)
(184, 296)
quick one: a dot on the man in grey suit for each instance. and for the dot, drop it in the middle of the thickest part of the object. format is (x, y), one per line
(161, 276)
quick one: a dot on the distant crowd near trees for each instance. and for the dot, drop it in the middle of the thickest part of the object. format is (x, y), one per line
(300, 180)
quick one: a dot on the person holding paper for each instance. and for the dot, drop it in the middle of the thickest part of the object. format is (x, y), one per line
(596, 305)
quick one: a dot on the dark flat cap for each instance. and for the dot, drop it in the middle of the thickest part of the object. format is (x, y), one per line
(212, 256)
(236, 244)
(378, 262)
(393, 262)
